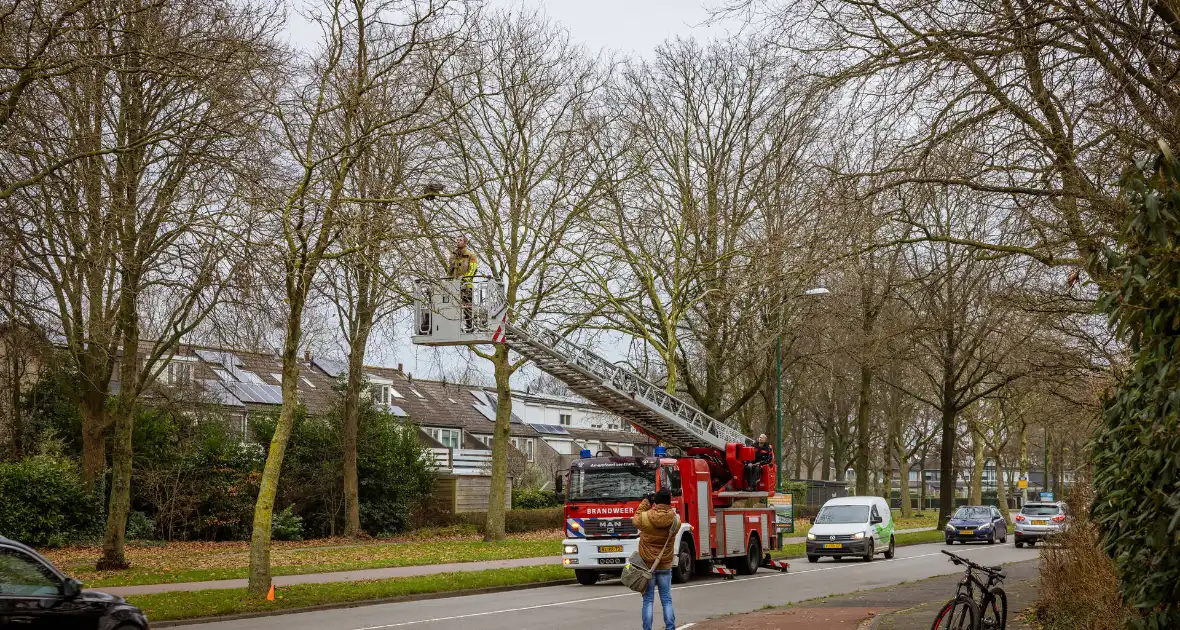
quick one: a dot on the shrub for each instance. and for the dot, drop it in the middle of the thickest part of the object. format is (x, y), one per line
(139, 526)
(286, 525)
(1136, 455)
(525, 499)
(517, 521)
(1079, 582)
(46, 503)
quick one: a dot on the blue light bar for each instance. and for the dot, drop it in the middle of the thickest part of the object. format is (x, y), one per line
(585, 453)
(661, 451)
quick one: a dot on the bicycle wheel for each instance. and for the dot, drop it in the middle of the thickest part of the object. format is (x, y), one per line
(958, 614)
(994, 610)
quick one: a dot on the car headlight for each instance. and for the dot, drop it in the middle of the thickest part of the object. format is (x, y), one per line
(569, 549)
(984, 527)
(858, 536)
(950, 528)
(810, 536)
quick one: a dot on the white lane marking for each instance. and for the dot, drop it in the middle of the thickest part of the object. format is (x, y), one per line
(687, 625)
(628, 594)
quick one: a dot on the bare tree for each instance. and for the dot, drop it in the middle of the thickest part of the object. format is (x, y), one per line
(519, 147)
(320, 133)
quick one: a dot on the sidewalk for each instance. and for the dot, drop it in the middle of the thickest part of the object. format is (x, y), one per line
(910, 606)
(337, 576)
(794, 540)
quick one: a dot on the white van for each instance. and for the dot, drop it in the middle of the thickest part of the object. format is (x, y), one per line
(851, 526)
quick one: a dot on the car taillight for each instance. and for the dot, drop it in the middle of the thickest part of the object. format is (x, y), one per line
(1020, 518)
(1059, 518)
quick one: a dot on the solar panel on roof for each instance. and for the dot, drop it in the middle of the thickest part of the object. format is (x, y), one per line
(257, 393)
(550, 429)
(219, 394)
(335, 369)
(220, 357)
(397, 411)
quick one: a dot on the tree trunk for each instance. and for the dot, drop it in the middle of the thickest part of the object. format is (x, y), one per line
(1023, 458)
(352, 400)
(825, 472)
(862, 430)
(891, 454)
(119, 502)
(978, 462)
(503, 370)
(1002, 490)
(903, 484)
(268, 485)
(94, 440)
(946, 482)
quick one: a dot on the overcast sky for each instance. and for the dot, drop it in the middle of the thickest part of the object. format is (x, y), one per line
(625, 26)
(628, 27)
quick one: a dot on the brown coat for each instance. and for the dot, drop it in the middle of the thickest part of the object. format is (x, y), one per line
(655, 525)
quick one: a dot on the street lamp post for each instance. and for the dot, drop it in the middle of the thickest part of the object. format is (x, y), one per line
(778, 395)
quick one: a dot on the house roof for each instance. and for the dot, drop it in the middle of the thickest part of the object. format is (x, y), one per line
(440, 404)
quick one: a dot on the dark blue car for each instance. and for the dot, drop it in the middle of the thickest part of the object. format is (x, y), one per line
(977, 523)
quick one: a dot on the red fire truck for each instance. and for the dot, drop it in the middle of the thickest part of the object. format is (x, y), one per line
(706, 478)
(715, 536)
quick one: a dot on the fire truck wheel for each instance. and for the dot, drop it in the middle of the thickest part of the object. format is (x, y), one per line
(749, 565)
(586, 577)
(682, 572)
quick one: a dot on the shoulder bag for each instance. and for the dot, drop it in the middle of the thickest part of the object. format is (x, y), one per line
(636, 574)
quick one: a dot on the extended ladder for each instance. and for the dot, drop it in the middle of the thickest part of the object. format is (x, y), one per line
(621, 391)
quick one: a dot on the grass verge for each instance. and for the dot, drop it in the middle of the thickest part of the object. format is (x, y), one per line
(915, 538)
(313, 560)
(193, 604)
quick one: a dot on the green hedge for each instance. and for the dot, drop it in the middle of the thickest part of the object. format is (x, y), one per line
(515, 521)
(529, 499)
(45, 504)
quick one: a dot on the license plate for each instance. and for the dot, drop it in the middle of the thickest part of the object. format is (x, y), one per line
(611, 549)
(833, 546)
(1040, 522)
(966, 532)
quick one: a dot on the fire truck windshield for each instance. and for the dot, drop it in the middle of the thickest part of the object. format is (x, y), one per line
(611, 483)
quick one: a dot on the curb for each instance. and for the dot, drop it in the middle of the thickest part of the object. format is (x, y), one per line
(168, 623)
(877, 620)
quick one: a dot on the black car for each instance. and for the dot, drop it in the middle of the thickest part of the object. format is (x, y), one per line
(34, 594)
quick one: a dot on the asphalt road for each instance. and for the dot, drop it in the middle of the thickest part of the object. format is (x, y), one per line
(610, 605)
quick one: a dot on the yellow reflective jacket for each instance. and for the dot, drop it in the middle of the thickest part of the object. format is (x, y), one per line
(462, 265)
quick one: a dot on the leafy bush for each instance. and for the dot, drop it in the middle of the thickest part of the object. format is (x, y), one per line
(45, 502)
(286, 526)
(139, 526)
(517, 521)
(526, 498)
(1136, 455)
(194, 480)
(393, 477)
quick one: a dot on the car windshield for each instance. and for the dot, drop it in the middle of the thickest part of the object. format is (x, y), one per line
(1040, 510)
(973, 513)
(832, 514)
(611, 482)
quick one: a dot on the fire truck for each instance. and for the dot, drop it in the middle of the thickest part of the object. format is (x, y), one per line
(720, 531)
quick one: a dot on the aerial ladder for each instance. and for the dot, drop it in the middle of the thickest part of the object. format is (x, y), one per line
(441, 319)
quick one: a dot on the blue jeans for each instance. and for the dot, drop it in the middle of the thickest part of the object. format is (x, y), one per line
(662, 579)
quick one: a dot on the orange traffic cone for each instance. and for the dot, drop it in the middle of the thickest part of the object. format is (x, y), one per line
(270, 596)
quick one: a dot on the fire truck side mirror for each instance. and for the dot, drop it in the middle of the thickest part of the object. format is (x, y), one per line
(557, 479)
(674, 481)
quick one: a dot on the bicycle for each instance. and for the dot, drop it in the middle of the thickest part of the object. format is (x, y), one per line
(962, 612)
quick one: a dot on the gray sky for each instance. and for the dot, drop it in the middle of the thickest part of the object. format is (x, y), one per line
(625, 26)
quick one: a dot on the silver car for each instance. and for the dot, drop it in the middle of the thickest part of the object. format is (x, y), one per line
(1038, 521)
